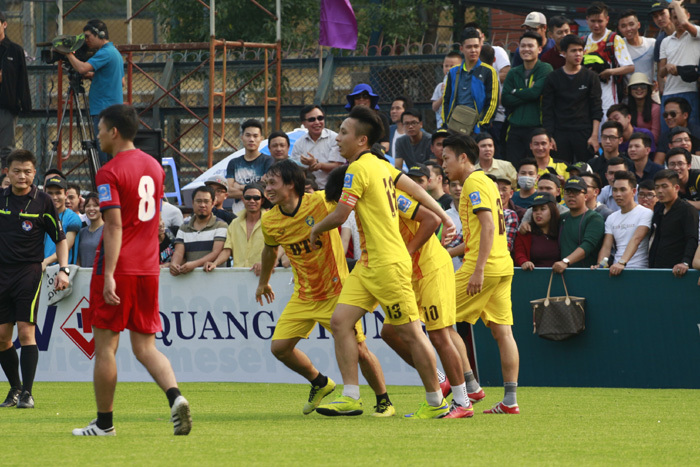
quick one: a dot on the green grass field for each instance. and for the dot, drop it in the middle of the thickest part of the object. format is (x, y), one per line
(235, 423)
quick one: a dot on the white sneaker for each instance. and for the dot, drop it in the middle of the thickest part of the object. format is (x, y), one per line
(93, 430)
(180, 416)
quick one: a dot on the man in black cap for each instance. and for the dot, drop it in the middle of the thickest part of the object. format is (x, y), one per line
(581, 232)
(220, 186)
(14, 89)
(420, 174)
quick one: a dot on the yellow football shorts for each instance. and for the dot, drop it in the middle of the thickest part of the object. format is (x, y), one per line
(389, 285)
(435, 294)
(492, 304)
(300, 316)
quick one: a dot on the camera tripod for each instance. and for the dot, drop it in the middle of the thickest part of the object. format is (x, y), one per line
(76, 96)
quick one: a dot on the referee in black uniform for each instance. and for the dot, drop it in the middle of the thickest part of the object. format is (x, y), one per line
(26, 215)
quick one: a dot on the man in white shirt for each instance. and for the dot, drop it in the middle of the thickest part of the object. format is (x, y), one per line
(317, 150)
(614, 52)
(640, 48)
(682, 48)
(628, 228)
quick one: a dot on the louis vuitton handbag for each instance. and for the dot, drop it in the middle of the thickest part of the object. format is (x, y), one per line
(558, 318)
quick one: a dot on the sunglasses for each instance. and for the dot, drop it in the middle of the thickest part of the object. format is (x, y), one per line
(320, 118)
(671, 114)
(638, 87)
(251, 197)
(364, 95)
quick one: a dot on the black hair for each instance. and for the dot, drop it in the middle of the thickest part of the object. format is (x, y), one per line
(311, 181)
(616, 161)
(368, 124)
(435, 167)
(454, 54)
(682, 103)
(278, 134)
(629, 12)
(531, 35)
(335, 182)
(612, 124)
(96, 26)
(251, 123)
(290, 173)
(540, 131)
(622, 108)
(667, 174)
(462, 144)
(124, 118)
(73, 186)
(597, 8)
(469, 33)
(596, 179)
(413, 113)
(557, 22)
(22, 155)
(92, 195)
(527, 161)
(570, 40)
(646, 139)
(487, 54)
(204, 189)
(484, 135)
(626, 175)
(682, 151)
(308, 108)
(407, 102)
(647, 185)
(646, 110)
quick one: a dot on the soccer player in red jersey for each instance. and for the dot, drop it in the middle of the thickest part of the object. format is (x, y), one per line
(124, 286)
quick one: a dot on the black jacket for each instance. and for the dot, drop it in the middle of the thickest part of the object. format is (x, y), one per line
(14, 89)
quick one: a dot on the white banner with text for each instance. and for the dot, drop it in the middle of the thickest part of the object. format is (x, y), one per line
(213, 330)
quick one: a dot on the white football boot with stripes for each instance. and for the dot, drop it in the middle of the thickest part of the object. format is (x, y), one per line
(180, 416)
(93, 430)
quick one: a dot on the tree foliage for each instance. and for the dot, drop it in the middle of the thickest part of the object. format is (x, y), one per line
(188, 20)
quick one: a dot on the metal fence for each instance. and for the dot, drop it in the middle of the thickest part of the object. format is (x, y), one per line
(413, 76)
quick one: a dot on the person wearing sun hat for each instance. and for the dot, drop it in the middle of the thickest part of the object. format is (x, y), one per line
(362, 94)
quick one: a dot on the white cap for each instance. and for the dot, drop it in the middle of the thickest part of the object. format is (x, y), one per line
(535, 19)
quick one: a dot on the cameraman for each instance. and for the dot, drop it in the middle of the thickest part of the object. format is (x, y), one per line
(105, 68)
(14, 89)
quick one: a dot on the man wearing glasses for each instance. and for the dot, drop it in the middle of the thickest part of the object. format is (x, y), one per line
(676, 113)
(413, 147)
(678, 160)
(317, 150)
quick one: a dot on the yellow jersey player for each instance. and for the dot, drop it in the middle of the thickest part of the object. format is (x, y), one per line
(383, 272)
(433, 285)
(319, 275)
(483, 283)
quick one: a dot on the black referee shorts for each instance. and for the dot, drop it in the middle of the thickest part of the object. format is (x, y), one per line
(19, 292)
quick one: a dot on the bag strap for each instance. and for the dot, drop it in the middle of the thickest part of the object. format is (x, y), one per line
(549, 289)
(566, 291)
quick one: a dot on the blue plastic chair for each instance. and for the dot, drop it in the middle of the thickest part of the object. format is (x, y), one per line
(170, 162)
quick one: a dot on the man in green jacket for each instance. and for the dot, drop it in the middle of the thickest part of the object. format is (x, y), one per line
(522, 96)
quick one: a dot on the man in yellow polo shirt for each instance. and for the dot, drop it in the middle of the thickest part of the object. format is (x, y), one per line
(383, 272)
(483, 283)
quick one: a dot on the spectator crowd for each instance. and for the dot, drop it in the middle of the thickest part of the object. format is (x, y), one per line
(593, 141)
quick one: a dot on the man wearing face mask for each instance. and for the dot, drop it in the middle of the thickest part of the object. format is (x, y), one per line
(527, 179)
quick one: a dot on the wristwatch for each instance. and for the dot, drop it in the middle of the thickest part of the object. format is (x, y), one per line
(65, 269)
(566, 261)
(624, 263)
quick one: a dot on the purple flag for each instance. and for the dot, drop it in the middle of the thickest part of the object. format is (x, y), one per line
(338, 26)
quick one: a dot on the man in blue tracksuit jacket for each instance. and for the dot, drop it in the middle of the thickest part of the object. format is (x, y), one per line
(473, 83)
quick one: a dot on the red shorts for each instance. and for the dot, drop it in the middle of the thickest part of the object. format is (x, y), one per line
(138, 309)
